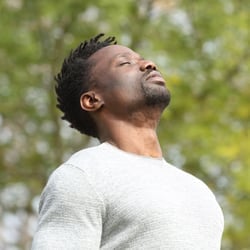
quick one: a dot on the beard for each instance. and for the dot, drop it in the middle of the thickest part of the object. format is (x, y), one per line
(156, 96)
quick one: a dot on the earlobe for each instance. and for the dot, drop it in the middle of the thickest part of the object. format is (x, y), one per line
(91, 101)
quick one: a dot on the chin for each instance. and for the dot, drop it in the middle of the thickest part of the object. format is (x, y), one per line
(157, 97)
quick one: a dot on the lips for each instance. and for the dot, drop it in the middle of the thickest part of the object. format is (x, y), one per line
(155, 76)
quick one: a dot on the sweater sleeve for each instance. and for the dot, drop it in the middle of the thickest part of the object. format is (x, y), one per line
(70, 213)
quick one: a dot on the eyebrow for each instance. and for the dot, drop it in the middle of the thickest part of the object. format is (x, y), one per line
(127, 54)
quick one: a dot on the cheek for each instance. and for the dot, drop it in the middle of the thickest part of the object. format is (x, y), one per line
(128, 87)
(120, 85)
(129, 80)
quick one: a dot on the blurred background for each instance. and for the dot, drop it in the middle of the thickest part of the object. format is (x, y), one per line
(202, 49)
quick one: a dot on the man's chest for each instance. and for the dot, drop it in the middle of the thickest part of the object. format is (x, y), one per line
(162, 202)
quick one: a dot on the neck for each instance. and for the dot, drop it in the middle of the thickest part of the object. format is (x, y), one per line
(140, 140)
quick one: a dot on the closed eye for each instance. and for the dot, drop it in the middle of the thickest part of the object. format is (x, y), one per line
(123, 63)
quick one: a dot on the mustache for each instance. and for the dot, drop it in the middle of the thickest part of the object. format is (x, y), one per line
(151, 73)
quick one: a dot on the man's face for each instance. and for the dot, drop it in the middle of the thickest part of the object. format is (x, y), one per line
(126, 81)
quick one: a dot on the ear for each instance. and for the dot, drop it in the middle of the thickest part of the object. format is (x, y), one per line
(91, 101)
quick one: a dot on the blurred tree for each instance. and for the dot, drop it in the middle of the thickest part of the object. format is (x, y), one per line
(202, 48)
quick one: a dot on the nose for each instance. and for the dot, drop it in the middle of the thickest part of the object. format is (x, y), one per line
(147, 65)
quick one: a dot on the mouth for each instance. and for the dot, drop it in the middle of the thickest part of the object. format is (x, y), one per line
(156, 77)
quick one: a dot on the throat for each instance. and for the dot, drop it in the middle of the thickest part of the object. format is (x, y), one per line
(140, 141)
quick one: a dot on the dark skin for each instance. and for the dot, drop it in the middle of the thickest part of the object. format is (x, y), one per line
(127, 100)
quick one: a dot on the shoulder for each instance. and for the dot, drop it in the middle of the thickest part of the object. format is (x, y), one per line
(66, 176)
(77, 178)
(88, 157)
(69, 184)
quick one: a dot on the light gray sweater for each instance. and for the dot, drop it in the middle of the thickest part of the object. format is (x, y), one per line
(105, 198)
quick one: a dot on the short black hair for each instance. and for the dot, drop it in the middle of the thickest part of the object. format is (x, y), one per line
(73, 80)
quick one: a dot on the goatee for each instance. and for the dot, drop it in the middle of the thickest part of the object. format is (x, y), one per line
(156, 97)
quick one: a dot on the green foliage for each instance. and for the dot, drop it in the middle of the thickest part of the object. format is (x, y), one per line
(202, 48)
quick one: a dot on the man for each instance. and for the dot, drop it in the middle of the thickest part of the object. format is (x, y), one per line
(121, 194)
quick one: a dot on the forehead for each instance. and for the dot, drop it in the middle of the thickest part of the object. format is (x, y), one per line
(112, 51)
